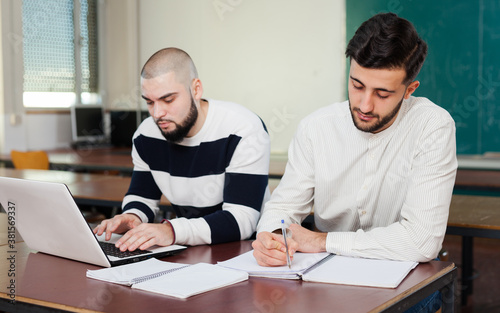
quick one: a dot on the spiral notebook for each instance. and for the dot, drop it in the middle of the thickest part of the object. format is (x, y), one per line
(170, 279)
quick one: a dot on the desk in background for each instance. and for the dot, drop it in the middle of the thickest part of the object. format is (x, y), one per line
(472, 216)
(477, 182)
(87, 159)
(44, 281)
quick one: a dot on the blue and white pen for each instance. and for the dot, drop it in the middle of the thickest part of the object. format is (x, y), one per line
(283, 230)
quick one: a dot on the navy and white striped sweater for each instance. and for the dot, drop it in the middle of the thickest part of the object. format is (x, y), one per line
(216, 180)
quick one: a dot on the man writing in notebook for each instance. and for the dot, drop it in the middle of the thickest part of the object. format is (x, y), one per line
(378, 169)
(209, 158)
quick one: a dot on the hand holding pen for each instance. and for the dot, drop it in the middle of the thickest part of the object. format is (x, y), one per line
(270, 248)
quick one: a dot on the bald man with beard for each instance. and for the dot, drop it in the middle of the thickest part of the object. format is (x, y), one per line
(209, 158)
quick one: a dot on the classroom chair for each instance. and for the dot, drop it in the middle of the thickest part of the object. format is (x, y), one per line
(30, 159)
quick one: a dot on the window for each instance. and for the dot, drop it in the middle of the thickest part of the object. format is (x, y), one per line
(60, 53)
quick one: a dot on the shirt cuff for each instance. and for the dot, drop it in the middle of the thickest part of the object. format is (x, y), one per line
(139, 213)
(191, 232)
(340, 243)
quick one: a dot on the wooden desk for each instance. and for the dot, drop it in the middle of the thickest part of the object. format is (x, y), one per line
(64, 177)
(99, 159)
(87, 159)
(44, 281)
(472, 216)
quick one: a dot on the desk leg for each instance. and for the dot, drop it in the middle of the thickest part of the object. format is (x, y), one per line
(448, 297)
(467, 267)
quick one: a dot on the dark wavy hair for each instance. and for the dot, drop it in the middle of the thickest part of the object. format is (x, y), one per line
(386, 41)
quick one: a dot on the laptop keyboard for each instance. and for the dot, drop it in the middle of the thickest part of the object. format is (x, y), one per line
(110, 249)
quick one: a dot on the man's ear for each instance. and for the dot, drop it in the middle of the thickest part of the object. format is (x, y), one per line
(411, 88)
(197, 89)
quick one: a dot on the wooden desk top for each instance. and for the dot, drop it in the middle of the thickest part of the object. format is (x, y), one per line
(61, 284)
(94, 159)
(64, 177)
(88, 159)
(475, 212)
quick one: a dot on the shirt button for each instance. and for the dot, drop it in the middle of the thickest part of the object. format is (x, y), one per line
(363, 212)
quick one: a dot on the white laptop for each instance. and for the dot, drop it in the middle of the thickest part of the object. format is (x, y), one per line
(49, 221)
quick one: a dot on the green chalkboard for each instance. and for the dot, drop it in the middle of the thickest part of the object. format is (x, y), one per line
(462, 70)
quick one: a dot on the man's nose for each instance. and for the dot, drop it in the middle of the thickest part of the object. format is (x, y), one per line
(158, 111)
(366, 105)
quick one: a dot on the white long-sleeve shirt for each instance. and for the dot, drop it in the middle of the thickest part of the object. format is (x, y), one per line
(384, 195)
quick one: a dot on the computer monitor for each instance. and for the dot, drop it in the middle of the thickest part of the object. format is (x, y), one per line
(87, 124)
(123, 126)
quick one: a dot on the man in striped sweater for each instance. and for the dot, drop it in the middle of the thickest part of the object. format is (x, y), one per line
(379, 169)
(209, 158)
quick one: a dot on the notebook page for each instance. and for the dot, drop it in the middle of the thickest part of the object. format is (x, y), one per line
(360, 272)
(192, 280)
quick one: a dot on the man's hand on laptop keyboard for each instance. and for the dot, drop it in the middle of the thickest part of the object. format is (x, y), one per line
(120, 224)
(146, 235)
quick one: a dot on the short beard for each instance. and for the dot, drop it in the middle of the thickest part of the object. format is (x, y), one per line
(381, 122)
(181, 130)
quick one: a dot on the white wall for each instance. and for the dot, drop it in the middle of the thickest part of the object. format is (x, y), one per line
(12, 132)
(121, 67)
(281, 58)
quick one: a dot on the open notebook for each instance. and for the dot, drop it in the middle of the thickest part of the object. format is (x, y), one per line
(329, 268)
(171, 279)
(49, 221)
